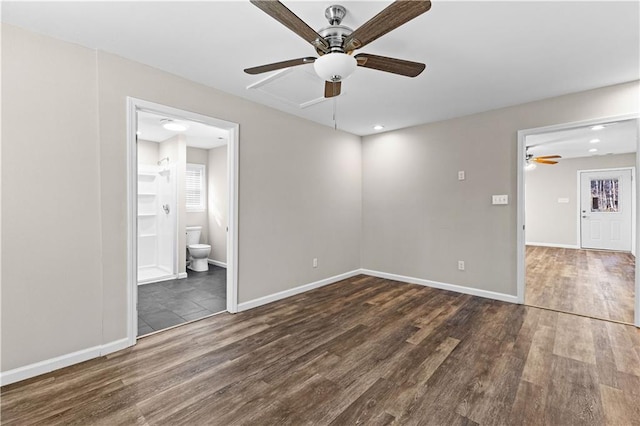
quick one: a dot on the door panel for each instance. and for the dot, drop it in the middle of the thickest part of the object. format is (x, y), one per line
(605, 199)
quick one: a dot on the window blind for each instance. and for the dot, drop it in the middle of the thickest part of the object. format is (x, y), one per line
(195, 187)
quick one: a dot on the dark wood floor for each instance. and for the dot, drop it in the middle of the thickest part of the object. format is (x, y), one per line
(598, 284)
(362, 351)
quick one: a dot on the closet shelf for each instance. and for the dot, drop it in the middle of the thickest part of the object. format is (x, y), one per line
(146, 235)
(147, 194)
(147, 214)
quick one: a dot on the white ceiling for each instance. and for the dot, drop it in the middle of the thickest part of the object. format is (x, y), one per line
(197, 135)
(480, 55)
(616, 138)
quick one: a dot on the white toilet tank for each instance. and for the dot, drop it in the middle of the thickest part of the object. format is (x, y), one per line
(193, 235)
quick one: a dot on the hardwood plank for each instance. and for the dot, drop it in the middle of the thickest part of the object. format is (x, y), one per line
(574, 393)
(605, 360)
(574, 339)
(625, 357)
(538, 363)
(616, 409)
(367, 406)
(406, 393)
(529, 405)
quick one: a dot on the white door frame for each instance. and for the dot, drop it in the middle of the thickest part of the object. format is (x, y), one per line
(520, 221)
(134, 105)
(633, 202)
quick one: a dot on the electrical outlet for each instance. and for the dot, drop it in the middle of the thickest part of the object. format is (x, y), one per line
(460, 265)
(315, 262)
(461, 175)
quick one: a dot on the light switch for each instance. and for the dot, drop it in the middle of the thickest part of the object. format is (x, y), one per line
(500, 199)
(461, 175)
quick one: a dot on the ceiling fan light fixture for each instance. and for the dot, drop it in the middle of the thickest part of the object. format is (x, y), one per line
(530, 166)
(335, 66)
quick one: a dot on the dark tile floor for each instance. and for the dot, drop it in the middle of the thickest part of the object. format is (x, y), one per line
(168, 303)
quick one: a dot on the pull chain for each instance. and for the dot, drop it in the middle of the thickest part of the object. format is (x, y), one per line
(335, 104)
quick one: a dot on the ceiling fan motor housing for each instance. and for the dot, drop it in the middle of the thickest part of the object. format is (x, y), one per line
(334, 35)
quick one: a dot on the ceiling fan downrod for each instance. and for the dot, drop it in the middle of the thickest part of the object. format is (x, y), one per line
(335, 14)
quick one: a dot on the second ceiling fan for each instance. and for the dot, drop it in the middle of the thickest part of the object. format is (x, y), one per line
(544, 159)
(336, 43)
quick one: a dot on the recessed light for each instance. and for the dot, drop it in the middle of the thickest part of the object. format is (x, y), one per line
(594, 141)
(139, 132)
(593, 150)
(172, 125)
(378, 127)
(597, 127)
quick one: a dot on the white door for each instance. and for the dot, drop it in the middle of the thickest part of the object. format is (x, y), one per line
(605, 209)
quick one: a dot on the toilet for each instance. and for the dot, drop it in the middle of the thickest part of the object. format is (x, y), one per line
(198, 253)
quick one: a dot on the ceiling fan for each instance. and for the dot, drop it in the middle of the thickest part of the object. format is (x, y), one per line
(543, 159)
(336, 43)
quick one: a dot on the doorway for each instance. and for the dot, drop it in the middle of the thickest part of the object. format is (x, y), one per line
(576, 218)
(182, 181)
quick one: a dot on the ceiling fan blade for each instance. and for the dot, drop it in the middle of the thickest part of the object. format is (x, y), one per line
(332, 89)
(549, 156)
(279, 65)
(396, 66)
(394, 15)
(543, 161)
(282, 14)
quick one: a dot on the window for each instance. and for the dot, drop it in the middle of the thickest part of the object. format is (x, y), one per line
(195, 188)
(604, 195)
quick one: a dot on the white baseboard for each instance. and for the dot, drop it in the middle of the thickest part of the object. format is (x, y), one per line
(48, 365)
(217, 263)
(444, 286)
(182, 275)
(567, 246)
(296, 290)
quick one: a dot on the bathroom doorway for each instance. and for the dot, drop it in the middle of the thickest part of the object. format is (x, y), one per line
(182, 217)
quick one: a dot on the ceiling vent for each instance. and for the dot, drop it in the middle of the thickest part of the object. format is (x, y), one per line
(299, 87)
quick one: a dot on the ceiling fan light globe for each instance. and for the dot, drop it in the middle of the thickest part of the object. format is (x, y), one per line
(335, 66)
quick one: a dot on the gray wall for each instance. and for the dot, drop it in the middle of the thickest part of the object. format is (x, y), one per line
(50, 198)
(148, 152)
(199, 156)
(299, 193)
(550, 222)
(419, 220)
(218, 205)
